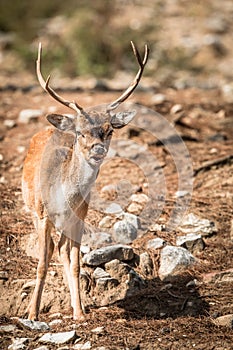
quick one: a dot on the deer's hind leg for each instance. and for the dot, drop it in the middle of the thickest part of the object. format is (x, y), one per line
(46, 247)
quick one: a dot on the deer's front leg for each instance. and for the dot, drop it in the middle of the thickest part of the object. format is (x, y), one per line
(46, 247)
(78, 313)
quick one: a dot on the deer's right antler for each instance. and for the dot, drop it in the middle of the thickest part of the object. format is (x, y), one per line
(45, 85)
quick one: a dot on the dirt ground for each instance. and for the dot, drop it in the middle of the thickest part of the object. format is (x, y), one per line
(158, 318)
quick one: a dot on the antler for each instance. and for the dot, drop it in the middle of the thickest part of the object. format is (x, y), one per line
(136, 80)
(45, 85)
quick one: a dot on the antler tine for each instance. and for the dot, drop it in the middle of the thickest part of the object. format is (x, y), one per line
(136, 80)
(45, 85)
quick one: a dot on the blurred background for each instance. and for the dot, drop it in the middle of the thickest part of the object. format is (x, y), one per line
(191, 42)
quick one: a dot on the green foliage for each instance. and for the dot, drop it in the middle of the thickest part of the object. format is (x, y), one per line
(88, 44)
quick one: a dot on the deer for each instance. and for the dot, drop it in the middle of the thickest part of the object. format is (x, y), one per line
(59, 171)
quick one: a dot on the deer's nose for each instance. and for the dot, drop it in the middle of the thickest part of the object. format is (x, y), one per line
(99, 149)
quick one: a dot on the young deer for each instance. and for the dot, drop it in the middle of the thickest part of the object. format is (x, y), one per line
(60, 168)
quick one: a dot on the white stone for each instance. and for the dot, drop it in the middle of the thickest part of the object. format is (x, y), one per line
(58, 338)
(100, 273)
(193, 224)
(55, 322)
(124, 232)
(34, 325)
(156, 243)
(85, 346)
(135, 208)
(26, 115)
(158, 99)
(8, 328)
(174, 260)
(132, 219)
(98, 330)
(18, 344)
(140, 198)
(176, 108)
(9, 123)
(114, 209)
(106, 222)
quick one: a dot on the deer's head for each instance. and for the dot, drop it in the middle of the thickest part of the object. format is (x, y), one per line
(92, 129)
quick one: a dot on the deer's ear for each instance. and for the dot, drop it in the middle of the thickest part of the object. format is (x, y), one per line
(62, 122)
(120, 119)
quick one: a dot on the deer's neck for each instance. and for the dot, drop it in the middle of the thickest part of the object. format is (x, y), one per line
(81, 175)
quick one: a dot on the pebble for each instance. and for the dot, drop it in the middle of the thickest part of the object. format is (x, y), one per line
(9, 123)
(34, 325)
(100, 273)
(124, 232)
(98, 330)
(192, 241)
(158, 99)
(8, 328)
(27, 115)
(114, 209)
(85, 346)
(19, 344)
(193, 224)
(132, 219)
(106, 222)
(140, 198)
(225, 321)
(103, 255)
(156, 243)
(176, 108)
(55, 322)
(43, 347)
(135, 208)
(4, 275)
(174, 260)
(58, 338)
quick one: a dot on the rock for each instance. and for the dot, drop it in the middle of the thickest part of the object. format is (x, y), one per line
(106, 222)
(146, 264)
(97, 239)
(114, 209)
(28, 115)
(192, 241)
(85, 346)
(225, 321)
(140, 198)
(4, 275)
(43, 347)
(193, 224)
(109, 189)
(124, 232)
(19, 344)
(84, 249)
(176, 108)
(98, 330)
(174, 260)
(218, 276)
(180, 194)
(100, 273)
(58, 338)
(9, 123)
(106, 283)
(216, 25)
(117, 269)
(158, 99)
(34, 325)
(132, 219)
(156, 243)
(103, 255)
(55, 322)
(8, 328)
(135, 208)
(29, 285)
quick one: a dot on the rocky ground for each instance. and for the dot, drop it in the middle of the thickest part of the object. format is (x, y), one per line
(162, 168)
(162, 313)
